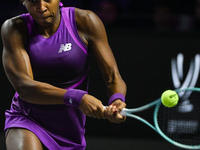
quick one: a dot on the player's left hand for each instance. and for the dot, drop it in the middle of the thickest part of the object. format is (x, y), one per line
(112, 112)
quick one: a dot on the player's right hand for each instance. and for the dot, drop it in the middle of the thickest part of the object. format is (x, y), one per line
(92, 107)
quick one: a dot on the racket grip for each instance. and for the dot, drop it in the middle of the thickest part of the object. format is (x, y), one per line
(123, 112)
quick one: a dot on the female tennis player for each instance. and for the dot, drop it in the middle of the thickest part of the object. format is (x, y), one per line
(46, 57)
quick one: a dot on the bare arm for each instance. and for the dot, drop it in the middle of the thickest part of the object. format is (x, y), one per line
(18, 68)
(95, 35)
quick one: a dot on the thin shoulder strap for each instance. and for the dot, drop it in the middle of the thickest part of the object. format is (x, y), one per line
(69, 16)
(29, 21)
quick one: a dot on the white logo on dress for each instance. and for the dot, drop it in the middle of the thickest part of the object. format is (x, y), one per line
(65, 47)
(70, 100)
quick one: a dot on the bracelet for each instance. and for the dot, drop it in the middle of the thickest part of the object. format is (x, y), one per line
(73, 97)
(115, 97)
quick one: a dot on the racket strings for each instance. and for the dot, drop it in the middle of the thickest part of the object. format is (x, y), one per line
(182, 122)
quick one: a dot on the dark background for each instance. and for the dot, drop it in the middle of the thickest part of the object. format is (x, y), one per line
(144, 36)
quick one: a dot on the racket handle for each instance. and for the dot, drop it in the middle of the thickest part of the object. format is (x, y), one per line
(123, 112)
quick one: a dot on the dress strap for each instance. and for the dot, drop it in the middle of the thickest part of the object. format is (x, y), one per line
(69, 19)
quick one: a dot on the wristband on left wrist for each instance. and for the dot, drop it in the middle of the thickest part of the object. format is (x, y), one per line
(115, 97)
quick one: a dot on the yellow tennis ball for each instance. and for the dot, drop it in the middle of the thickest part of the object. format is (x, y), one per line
(169, 98)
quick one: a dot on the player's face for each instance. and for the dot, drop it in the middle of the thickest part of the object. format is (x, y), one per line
(44, 12)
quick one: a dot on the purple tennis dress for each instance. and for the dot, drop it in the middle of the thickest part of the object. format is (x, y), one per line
(61, 60)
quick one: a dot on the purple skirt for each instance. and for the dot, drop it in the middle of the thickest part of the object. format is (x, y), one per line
(59, 127)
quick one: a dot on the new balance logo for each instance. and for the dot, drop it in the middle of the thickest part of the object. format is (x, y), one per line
(65, 47)
(70, 100)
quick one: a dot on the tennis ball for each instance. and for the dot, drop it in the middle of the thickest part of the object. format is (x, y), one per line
(169, 98)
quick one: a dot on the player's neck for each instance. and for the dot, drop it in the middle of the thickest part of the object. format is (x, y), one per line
(49, 28)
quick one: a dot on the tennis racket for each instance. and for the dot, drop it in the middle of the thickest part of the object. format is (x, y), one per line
(179, 125)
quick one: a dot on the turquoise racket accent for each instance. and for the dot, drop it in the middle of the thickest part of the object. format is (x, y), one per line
(179, 125)
(128, 112)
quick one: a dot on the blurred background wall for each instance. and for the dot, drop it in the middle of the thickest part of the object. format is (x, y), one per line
(145, 37)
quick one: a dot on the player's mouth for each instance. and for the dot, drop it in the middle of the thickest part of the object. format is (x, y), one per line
(44, 17)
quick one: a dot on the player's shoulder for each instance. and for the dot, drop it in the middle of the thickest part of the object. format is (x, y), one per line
(84, 14)
(87, 20)
(13, 24)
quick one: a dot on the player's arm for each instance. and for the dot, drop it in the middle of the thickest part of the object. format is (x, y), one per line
(96, 38)
(18, 69)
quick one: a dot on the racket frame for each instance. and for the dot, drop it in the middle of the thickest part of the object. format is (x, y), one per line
(129, 113)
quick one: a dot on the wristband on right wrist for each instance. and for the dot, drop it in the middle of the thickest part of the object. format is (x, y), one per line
(73, 96)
